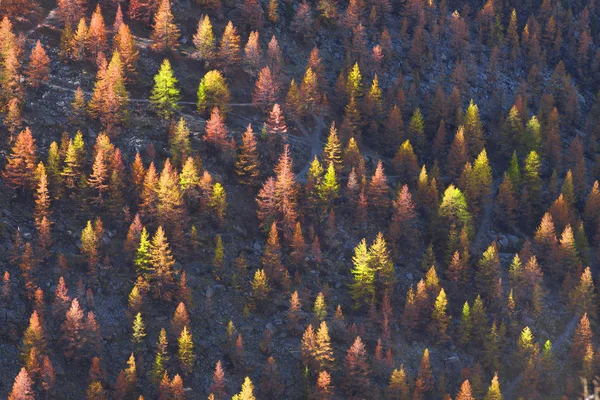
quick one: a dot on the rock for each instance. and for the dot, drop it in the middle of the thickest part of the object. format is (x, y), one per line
(209, 292)
(177, 267)
(26, 235)
(453, 363)
(271, 328)
(514, 240)
(219, 288)
(257, 247)
(105, 240)
(503, 241)
(410, 276)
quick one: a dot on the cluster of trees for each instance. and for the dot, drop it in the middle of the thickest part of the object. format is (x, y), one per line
(511, 172)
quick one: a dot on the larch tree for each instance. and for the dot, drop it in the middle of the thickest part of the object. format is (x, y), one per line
(271, 259)
(403, 225)
(22, 162)
(213, 92)
(124, 43)
(332, 152)
(170, 208)
(73, 331)
(165, 94)
(98, 179)
(162, 262)
(265, 91)
(424, 383)
(218, 388)
(109, 99)
(185, 351)
(357, 380)
(179, 141)
(473, 130)
(440, 318)
(217, 132)
(405, 163)
(363, 287)
(39, 66)
(253, 55)
(229, 48)
(165, 33)
(247, 392)
(323, 389)
(378, 190)
(70, 11)
(22, 388)
(247, 165)
(205, 42)
(488, 270)
(493, 392)
(96, 41)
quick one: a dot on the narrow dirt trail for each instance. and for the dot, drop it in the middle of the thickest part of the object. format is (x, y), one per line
(509, 392)
(486, 220)
(314, 139)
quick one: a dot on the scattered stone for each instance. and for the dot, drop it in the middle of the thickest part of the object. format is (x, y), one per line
(271, 328)
(219, 288)
(410, 276)
(209, 292)
(453, 363)
(514, 240)
(502, 241)
(257, 247)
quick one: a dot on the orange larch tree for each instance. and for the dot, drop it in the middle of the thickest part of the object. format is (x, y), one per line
(39, 66)
(21, 164)
(217, 132)
(165, 33)
(96, 41)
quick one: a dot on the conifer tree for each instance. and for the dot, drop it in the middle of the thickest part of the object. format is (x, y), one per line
(357, 372)
(247, 164)
(39, 66)
(488, 270)
(165, 33)
(329, 187)
(158, 366)
(124, 43)
(110, 97)
(260, 286)
(162, 262)
(179, 140)
(96, 41)
(493, 392)
(405, 162)
(582, 297)
(441, 320)
(424, 383)
(363, 287)
(21, 164)
(22, 387)
(473, 130)
(73, 331)
(218, 202)
(213, 92)
(165, 94)
(582, 337)
(253, 54)
(205, 41)
(229, 48)
(217, 132)
(139, 330)
(247, 392)
(323, 352)
(185, 352)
